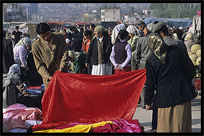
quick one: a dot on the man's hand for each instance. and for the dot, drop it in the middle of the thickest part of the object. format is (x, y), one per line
(50, 78)
(118, 68)
(86, 64)
(147, 107)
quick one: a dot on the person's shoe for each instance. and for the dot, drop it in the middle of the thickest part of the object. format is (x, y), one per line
(152, 130)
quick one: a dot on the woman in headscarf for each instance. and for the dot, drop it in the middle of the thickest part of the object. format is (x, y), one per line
(14, 70)
(116, 30)
(134, 35)
(121, 54)
(99, 51)
(168, 74)
(20, 52)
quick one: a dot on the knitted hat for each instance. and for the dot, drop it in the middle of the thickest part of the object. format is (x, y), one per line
(99, 29)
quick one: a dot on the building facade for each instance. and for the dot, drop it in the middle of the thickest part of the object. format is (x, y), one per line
(12, 12)
(110, 15)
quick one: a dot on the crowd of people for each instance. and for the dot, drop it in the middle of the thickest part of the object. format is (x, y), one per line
(95, 50)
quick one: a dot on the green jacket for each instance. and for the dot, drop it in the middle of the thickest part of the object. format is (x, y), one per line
(132, 42)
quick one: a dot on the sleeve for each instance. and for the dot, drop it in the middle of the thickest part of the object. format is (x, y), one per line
(150, 83)
(133, 46)
(89, 54)
(83, 46)
(10, 52)
(129, 56)
(190, 68)
(22, 89)
(109, 47)
(112, 57)
(194, 25)
(40, 65)
(137, 51)
(22, 55)
(64, 59)
(133, 43)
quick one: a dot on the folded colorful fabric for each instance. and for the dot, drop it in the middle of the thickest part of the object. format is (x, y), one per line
(75, 129)
(129, 126)
(108, 128)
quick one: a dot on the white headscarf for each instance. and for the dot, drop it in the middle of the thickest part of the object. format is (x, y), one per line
(115, 32)
(24, 41)
(150, 27)
(132, 30)
(15, 68)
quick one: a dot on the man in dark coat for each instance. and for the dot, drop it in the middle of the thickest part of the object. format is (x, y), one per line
(170, 74)
(99, 50)
(8, 58)
(17, 35)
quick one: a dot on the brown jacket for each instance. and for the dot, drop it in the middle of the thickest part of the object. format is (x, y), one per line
(50, 59)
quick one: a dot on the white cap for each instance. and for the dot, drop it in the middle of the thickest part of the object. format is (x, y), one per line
(181, 28)
(67, 40)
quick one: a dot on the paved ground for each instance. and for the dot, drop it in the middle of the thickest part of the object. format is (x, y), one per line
(145, 116)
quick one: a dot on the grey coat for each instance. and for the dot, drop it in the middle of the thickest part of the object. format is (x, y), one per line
(142, 52)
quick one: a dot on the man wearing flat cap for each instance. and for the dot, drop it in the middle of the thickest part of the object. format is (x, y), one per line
(163, 30)
(99, 51)
(174, 97)
(141, 54)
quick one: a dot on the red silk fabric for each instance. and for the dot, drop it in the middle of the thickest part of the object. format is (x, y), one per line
(87, 98)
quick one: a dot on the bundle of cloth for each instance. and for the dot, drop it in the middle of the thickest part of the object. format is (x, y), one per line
(19, 118)
(112, 126)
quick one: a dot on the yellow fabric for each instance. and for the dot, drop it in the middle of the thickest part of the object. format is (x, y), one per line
(75, 129)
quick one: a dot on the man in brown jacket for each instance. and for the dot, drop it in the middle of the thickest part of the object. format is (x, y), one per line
(50, 53)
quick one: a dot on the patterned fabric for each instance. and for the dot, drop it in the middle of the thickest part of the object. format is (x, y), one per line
(76, 129)
(90, 91)
(157, 46)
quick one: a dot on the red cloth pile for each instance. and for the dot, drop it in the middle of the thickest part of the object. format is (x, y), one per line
(86, 98)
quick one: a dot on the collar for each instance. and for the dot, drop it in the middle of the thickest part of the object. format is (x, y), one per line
(51, 39)
(123, 40)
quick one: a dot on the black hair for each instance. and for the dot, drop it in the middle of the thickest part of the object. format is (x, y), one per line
(87, 32)
(17, 27)
(81, 29)
(141, 23)
(123, 34)
(42, 28)
(163, 29)
(155, 22)
(93, 26)
(72, 28)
